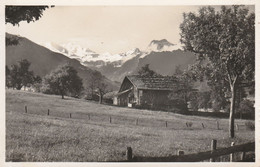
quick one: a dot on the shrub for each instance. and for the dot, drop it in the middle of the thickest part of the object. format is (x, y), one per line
(246, 106)
(250, 125)
(93, 97)
(178, 106)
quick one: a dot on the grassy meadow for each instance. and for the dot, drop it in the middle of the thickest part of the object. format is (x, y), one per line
(89, 135)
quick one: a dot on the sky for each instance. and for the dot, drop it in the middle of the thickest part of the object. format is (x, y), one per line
(113, 29)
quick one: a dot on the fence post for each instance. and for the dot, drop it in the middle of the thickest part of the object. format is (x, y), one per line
(213, 148)
(48, 112)
(70, 115)
(110, 119)
(129, 154)
(243, 155)
(166, 124)
(180, 152)
(232, 154)
(25, 109)
(237, 127)
(88, 117)
(136, 122)
(218, 125)
(202, 125)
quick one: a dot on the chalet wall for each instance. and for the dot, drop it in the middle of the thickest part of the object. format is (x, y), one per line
(122, 100)
(154, 98)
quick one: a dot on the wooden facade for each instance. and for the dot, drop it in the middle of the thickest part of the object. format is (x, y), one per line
(146, 92)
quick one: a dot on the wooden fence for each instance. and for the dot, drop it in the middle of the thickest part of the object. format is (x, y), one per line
(215, 124)
(214, 153)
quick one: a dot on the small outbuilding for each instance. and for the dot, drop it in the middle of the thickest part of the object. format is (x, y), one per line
(146, 92)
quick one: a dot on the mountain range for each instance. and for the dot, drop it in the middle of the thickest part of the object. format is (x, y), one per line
(43, 60)
(162, 56)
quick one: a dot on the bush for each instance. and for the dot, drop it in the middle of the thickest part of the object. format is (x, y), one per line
(93, 97)
(246, 106)
(178, 106)
(250, 125)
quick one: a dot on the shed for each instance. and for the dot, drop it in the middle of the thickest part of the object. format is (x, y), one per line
(144, 91)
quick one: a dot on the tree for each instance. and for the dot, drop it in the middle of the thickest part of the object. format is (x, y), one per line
(147, 72)
(63, 81)
(184, 87)
(246, 106)
(15, 78)
(37, 79)
(204, 100)
(226, 39)
(27, 77)
(178, 70)
(19, 76)
(101, 89)
(97, 86)
(15, 14)
(37, 83)
(95, 78)
(204, 71)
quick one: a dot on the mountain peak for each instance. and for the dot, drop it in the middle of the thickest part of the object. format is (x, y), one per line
(160, 41)
(160, 45)
(133, 51)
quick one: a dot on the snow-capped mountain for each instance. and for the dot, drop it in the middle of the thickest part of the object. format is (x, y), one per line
(55, 47)
(131, 54)
(162, 56)
(90, 58)
(72, 51)
(78, 52)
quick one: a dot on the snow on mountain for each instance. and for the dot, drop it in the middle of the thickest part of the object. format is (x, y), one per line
(131, 54)
(88, 57)
(73, 51)
(78, 51)
(55, 47)
(162, 56)
(117, 59)
(121, 57)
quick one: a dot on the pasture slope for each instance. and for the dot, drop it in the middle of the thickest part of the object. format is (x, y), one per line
(89, 136)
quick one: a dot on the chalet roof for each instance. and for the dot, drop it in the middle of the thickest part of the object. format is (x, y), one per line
(153, 83)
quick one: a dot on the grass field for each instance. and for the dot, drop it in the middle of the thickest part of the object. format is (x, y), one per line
(36, 136)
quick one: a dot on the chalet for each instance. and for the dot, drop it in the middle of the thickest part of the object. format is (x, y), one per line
(148, 92)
